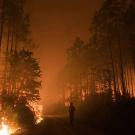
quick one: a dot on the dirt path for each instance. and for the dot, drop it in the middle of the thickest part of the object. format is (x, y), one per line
(60, 126)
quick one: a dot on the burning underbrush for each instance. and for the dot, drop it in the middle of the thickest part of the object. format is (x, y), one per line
(20, 118)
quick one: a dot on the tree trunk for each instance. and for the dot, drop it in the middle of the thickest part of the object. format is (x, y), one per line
(2, 21)
(121, 67)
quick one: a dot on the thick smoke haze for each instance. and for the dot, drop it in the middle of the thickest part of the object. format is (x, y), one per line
(54, 25)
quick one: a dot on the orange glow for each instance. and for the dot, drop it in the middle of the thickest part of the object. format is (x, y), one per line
(38, 109)
(55, 34)
(4, 129)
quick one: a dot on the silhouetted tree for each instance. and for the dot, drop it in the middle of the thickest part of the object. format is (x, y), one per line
(24, 75)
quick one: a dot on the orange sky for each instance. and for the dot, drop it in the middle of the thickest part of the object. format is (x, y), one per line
(54, 26)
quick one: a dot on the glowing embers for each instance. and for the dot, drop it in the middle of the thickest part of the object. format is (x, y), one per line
(39, 119)
(38, 110)
(39, 114)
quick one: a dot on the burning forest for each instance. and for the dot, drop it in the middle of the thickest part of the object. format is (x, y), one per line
(19, 71)
(88, 78)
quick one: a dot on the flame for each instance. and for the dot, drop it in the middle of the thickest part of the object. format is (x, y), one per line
(39, 114)
(38, 109)
(39, 119)
(4, 129)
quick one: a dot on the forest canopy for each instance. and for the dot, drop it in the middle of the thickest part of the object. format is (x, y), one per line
(106, 64)
(20, 72)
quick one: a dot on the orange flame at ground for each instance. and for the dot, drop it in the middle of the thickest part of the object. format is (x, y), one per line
(38, 109)
(39, 115)
(4, 130)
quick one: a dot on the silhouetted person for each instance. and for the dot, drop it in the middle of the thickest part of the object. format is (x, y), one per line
(71, 112)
